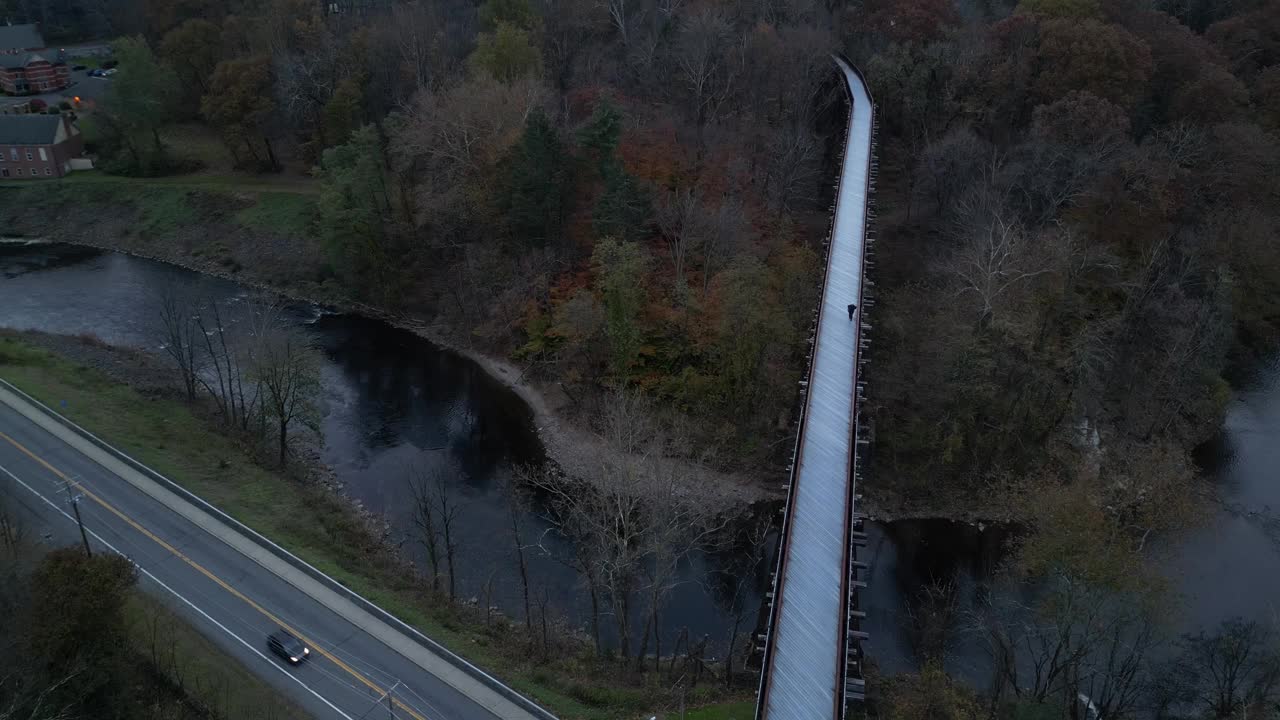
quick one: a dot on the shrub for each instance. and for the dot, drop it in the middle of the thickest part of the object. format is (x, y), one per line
(53, 111)
(64, 105)
(37, 105)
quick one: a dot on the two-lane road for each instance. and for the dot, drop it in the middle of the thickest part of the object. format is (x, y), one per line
(234, 595)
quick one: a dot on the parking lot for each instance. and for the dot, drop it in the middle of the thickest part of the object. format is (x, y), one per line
(82, 85)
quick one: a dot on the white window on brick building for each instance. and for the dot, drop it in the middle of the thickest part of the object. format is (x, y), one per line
(48, 171)
(19, 172)
(13, 153)
(34, 172)
(43, 157)
(29, 154)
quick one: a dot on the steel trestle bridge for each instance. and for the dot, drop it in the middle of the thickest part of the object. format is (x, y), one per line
(812, 656)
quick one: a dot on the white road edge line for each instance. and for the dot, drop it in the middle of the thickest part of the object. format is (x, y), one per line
(175, 593)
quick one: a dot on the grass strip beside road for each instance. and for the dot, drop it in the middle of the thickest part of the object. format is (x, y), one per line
(198, 668)
(312, 523)
(173, 660)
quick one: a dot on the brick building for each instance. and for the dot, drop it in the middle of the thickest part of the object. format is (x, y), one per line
(37, 146)
(32, 73)
(26, 69)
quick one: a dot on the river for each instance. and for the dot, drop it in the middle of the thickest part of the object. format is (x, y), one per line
(392, 400)
(1230, 564)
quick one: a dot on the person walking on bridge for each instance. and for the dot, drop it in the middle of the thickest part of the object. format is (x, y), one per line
(852, 308)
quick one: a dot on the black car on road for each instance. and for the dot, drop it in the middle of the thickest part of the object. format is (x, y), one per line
(288, 647)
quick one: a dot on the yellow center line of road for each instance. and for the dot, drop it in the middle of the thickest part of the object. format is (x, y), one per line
(199, 568)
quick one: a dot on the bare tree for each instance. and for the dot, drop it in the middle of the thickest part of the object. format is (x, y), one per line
(681, 219)
(517, 538)
(994, 258)
(286, 367)
(225, 356)
(931, 616)
(633, 521)
(488, 596)
(569, 28)
(1078, 639)
(543, 600)
(727, 231)
(415, 30)
(620, 16)
(435, 518)
(177, 331)
(704, 56)
(424, 520)
(304, 83)
(679, 521)
(1236, 667)
(791, 174)
(751, 553)
(25, 702)
(1048, 177)
(949, 165)
(449, 139)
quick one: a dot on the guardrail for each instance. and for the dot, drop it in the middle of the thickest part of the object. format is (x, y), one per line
(297, 562)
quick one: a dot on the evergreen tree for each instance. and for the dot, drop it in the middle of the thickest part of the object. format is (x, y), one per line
(537, 183)
(622, 208)
(506, 54)
(600, 134)
(353, 212)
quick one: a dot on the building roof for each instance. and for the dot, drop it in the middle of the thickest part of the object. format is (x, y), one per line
(20, 37)
(29, 129)
(21, 60)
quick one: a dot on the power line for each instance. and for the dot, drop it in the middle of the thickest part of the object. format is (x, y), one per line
(391, 705)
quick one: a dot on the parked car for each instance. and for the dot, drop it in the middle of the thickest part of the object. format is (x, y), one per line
(288, 647)
(109, 73)
(96, 72)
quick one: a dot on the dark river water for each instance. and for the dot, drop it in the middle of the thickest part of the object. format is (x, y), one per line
(1230, 564)
(393, 402)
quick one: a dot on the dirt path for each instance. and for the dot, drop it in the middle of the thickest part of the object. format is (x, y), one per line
(577, 451)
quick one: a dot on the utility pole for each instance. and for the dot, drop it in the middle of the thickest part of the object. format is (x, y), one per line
(74, 499)
(84, 537)
(391, 703)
